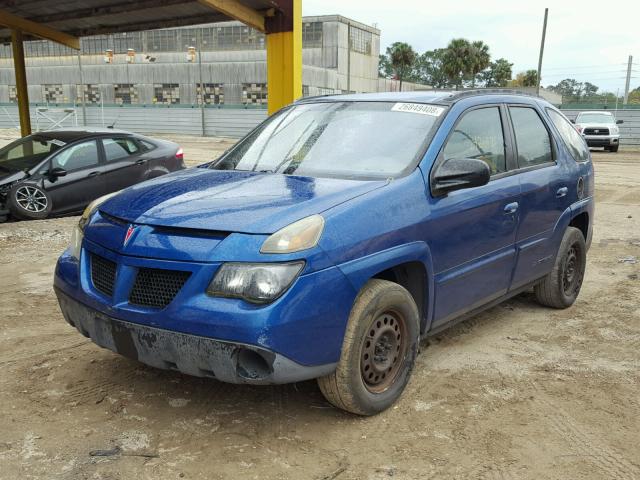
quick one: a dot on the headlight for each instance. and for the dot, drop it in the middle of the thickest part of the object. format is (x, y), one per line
(78, 231)
(254, 282)
(76, 242)
(615, 130)
(93, 206)
(300, 235)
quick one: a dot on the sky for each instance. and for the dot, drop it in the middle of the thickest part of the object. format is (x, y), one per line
(587, 40)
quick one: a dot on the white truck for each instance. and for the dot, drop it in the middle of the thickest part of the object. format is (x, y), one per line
(599, 129)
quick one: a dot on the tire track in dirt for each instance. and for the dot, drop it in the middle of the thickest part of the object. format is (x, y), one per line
(584, 444)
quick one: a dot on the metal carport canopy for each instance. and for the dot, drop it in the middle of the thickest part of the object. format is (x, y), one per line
(64, 21)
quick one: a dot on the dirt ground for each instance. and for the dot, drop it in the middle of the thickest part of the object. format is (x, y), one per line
(519, 392)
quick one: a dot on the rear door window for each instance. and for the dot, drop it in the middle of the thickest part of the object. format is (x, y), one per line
(119, 148)
(479, 135)
(533, 142)
(571, 138)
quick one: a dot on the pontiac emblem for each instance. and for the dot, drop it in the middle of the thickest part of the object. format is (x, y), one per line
(128, 235)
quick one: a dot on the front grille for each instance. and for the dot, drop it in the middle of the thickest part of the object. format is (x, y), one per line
(156, 288)
(103, 274)
(596, 131)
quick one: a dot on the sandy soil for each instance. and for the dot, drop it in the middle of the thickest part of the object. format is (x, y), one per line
(519, 392)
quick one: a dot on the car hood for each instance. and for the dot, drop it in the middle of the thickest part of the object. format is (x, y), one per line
(10, 177)
(231, 201)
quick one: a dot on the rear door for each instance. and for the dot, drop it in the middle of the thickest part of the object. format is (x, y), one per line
(472, 231)
(81, 184)
(545, 186)
(124, 163)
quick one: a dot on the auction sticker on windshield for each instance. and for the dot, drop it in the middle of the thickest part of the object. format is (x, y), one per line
(420, 108)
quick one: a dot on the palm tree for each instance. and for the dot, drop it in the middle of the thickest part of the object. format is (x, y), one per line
(402, 58)
(480, 59)
(457, 61)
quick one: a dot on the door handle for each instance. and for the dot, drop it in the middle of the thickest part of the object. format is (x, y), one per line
(140, 162)
(562, 192)
(93, 174)
(511, 208)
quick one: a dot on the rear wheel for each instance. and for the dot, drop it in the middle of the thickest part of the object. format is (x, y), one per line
(29, 202)
(560, 288)
(378, 352)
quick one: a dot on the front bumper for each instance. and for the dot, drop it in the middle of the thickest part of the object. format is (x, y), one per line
(602, 140)
(190, 354)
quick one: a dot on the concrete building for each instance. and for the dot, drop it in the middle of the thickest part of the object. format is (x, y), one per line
(168, 66)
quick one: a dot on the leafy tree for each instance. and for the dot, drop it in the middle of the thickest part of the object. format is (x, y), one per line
(457, 61)
(480, 59)
(428, 69)
(525, 79)
(498, 74)
(589, 89)
(569, 87)
(385, 70)
(402, 58)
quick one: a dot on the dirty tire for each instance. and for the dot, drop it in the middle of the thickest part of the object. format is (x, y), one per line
(29, 202)
(383, 308)
(560, 288)
(613, 149)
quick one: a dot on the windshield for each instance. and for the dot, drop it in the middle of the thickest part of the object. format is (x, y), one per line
(27, 152)
(594, 118)
(336, 139)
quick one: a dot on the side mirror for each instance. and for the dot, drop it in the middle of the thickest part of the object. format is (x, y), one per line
(57, 172)
(459, 173)
(619, 122)
(573, 121)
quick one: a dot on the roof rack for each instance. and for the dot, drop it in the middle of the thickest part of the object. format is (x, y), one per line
(456, 94)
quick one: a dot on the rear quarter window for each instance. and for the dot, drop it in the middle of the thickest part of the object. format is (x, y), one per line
(571, 138)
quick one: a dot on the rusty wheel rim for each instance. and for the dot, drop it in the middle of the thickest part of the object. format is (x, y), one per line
(383, 351)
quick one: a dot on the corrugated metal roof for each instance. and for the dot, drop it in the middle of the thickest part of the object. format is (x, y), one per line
(94, 17)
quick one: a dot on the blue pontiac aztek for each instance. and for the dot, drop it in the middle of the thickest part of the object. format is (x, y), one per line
(333, 237)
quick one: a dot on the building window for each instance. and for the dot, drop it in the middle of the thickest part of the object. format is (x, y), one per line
(91, 93)
(13, 94)
(254, 93)
(213, 94)
(52, 93)
(162, 40)
(360, 41)
(305, 90)
(122, 42)
(312, 34)
(166, 93)
(125, 93)
(236, 37)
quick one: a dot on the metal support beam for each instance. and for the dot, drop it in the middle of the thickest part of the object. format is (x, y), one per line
(284, 56)
(21, 82)
(32, 28)
(235, 9)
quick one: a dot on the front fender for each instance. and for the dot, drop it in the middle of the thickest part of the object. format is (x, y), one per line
(360, 270)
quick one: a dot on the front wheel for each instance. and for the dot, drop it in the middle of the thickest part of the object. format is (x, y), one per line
(614, 149)
(378, 352)
(560, 288)
(29, 202)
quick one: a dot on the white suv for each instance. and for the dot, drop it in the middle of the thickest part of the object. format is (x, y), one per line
(599, 129)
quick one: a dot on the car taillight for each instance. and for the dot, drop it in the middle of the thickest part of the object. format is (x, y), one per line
(180, 154)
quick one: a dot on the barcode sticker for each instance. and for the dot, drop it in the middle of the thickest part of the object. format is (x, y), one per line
(420, 108)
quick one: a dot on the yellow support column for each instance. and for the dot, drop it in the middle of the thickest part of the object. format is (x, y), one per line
(284, 58)
(21, 82)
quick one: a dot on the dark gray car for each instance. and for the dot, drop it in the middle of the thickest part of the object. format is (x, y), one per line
(62, 171)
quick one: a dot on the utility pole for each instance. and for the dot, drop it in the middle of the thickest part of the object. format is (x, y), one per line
(84, 101)
(199, 47)
(626, 85)
(544, 35)
(349, 57)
